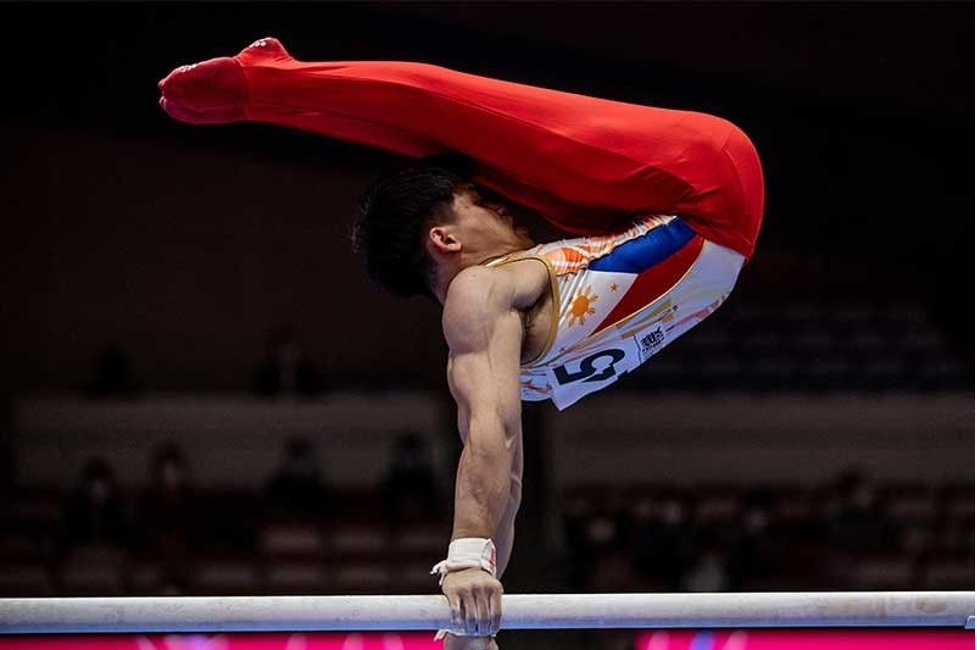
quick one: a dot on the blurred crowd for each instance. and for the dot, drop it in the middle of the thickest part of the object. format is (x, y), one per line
(791, 346)
(853, 533)
(300, 534)
(176, 526)
(284, 369)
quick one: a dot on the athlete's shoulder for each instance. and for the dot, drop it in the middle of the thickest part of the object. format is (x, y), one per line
(477, 299)
(477, 291)
(478, 283)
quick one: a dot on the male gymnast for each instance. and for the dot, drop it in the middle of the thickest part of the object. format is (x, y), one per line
(666, 206)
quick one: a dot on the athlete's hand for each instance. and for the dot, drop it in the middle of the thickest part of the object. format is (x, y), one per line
(475, 598)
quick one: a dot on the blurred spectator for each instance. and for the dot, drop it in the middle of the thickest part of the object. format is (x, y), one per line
(663, 544)
(8, 467)
(708, 573)
(93, 514)
(298, 487)
(601, 543)
(576, 514)
(173, 586)
(113, 374)
(601, 561)
(613, 571)
(285, 369)
(860, 523)
(167, 505)
(409, 488)
(166, 522)
(752, 548)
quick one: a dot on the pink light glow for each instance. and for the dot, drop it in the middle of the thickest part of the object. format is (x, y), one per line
(269, 641)
(869, 639)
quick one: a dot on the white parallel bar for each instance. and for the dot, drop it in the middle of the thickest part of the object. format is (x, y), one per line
(528, 612)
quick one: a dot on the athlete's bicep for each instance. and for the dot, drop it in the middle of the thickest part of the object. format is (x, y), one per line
(484, 334)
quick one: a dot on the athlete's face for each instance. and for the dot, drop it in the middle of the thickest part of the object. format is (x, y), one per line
(484, 222)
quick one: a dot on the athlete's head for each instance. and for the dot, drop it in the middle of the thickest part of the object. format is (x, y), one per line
(430, 216)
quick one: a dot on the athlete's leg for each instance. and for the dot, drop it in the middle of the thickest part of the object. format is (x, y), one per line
(580, 161)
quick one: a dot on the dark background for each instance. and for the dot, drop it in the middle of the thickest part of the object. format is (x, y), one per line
(186, 244)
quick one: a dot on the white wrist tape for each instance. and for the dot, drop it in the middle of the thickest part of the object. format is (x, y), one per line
(465, 553)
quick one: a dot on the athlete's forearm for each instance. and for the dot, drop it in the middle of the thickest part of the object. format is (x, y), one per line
(482, 483)
(505, 535)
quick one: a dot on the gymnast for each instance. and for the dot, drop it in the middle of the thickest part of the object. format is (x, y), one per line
(665, 206)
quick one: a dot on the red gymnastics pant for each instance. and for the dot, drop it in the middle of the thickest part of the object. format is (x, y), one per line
(582, 162)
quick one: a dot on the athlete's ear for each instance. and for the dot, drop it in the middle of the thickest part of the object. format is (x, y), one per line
(441, 240)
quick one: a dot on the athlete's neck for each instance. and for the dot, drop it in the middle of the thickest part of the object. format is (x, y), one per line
(448, 269)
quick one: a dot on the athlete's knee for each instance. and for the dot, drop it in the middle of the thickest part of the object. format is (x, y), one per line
(746, 161)
(741, 149)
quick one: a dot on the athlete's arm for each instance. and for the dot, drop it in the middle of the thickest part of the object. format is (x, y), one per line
(484, 332)
(505, 533)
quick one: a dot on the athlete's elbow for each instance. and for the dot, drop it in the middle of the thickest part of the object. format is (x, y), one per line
(487, 436)
(493, 430)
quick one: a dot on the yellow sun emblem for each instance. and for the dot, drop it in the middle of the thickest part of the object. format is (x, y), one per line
(581, 306)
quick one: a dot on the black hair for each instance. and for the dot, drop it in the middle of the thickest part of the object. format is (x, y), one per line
(395, 213)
